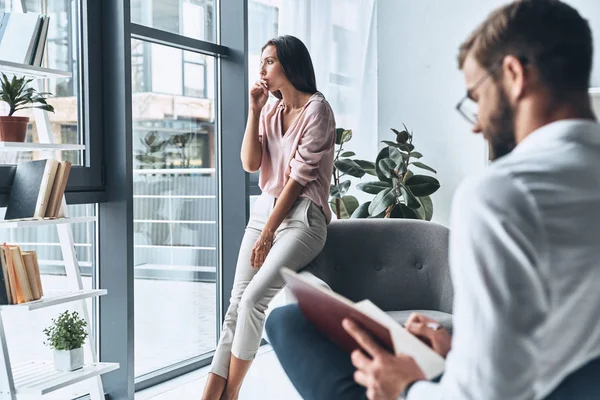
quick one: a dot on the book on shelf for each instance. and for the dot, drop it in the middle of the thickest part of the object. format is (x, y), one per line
(37, 189)
(31, 189)
(21, 273)
(40, 46)
(23, 37)
(17, 296)
(327, 309)
(5, 292)
(58, 189)
(36, 55)
(21, 279)
(33, 273)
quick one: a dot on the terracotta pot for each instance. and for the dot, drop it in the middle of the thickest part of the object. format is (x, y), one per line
(13, 129)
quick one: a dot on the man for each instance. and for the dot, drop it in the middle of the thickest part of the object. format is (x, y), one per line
(524, 246)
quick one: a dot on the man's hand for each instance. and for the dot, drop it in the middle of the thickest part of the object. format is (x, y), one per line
(383, 374)
(438, 339)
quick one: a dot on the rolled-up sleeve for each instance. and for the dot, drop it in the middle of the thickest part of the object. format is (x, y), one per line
(317, 140)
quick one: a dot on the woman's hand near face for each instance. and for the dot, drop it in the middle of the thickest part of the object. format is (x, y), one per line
(259, 94)
(251, 153)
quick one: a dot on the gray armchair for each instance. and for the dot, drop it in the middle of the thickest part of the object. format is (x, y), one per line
(400, 265)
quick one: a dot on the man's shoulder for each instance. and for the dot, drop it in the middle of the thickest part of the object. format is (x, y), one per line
(491, 182)
(497, 187)
(496, 203)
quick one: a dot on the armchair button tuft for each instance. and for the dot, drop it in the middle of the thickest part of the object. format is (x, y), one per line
(419, 266)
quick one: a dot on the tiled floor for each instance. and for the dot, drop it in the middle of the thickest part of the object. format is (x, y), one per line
(266, 380)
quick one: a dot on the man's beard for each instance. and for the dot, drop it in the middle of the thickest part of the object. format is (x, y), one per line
(501, 129)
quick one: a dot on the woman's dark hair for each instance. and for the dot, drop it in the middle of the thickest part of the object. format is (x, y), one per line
(296, 63)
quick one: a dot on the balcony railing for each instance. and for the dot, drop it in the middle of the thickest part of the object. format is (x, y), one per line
(175, 223)
(175, 228)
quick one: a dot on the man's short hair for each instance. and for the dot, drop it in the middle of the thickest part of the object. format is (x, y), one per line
(548, 34)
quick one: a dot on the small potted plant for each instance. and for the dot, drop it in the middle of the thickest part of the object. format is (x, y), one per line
(66, 336)
(16, 93)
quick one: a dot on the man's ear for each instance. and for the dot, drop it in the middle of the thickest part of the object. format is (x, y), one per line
(515, 79)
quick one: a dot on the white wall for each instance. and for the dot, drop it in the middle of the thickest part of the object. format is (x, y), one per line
(419, 83)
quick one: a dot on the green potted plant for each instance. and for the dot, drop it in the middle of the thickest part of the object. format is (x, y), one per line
(66, 336)
(399, 193)
(16, 93)
(342, 204)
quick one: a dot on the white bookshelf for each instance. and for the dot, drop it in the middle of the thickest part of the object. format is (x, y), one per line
(37, 378)
(29, 223)
(594, 91)
(15, 146)
(53, 300)
(34, 379)
(13, 68)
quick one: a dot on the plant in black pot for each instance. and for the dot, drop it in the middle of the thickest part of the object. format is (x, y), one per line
(399, 192)
(18, 95)
(343, 204)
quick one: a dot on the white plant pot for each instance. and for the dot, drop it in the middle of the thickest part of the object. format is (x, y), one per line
(68, 360)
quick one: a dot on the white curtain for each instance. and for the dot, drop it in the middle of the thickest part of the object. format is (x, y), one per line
(311, 22)
(341, 36)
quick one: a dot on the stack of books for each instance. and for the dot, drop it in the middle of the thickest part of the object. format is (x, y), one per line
(37, 189)
(23, 37)
(20, 280)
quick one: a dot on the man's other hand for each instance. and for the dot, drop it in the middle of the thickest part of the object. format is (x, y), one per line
(425, 329)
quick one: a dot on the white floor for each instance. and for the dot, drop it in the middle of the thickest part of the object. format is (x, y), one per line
(266, 380)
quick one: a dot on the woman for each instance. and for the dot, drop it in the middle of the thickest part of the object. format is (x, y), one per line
(292, 143)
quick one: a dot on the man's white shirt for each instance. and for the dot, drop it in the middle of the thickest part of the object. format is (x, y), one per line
(525, 265)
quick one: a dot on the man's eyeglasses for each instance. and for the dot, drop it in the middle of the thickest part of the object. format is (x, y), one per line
(467, 107)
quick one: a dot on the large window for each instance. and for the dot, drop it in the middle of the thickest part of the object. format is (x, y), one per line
(61, 53)
(263, 24)
(152, 102)
(191, 18)
(175, 205)
(71, 47)
(183, 173)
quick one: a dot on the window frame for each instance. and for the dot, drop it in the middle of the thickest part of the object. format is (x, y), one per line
(116, 214)
(86, 183)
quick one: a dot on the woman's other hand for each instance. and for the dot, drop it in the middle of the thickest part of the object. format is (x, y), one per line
(261, 250)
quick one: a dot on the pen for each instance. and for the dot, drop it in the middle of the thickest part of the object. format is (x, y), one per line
(433, 326)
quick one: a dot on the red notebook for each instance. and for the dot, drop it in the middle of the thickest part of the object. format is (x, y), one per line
(327, 309)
